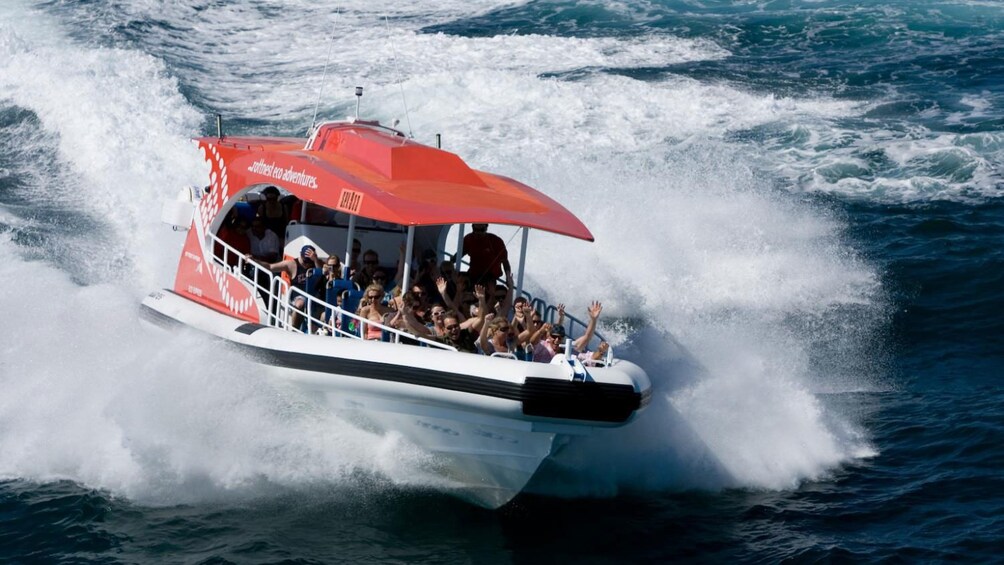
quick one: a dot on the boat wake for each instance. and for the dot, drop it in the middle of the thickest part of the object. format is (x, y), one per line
(740, 302)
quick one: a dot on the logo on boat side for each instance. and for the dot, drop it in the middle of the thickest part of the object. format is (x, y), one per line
(350, 201)
(260, 167)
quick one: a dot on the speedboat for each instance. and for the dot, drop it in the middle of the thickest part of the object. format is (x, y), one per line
(489, 422)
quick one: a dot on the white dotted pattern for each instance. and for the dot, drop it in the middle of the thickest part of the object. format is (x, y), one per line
(209, 207)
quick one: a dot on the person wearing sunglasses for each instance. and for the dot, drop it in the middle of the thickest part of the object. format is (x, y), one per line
(422, 304)
(461, 338)
(437, 327)
(545, 349)
(463, 335)
(372, 308)
(364, 276)
(496, 336)
(332, 269)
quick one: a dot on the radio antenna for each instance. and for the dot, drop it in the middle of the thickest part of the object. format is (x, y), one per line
(324, 74)
(400, 85)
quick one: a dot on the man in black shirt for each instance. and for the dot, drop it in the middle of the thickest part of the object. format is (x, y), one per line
(462, 338)
(461, 335)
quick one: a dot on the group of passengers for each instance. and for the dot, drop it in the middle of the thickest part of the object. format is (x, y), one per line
(470, 311)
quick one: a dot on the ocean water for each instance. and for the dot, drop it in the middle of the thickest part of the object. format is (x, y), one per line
(799, 220)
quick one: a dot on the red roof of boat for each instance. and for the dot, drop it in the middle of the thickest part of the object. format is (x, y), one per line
(377, 173)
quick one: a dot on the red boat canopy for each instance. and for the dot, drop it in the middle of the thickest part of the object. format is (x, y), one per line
(375, 172)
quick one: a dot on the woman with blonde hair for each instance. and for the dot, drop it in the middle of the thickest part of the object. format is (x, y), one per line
(496, 336)
(372, 308)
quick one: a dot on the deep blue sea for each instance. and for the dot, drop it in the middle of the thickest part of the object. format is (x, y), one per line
(799, 218)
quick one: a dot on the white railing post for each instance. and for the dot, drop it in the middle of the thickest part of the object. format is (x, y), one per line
(409, 249)
(347, 260)
(457, 263)
(522, 263)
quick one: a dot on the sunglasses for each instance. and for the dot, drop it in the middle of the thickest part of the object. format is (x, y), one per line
(452, 327)
(369, 262)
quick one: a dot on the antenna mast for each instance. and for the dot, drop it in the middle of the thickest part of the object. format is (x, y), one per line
(393, 50)
(324, 74)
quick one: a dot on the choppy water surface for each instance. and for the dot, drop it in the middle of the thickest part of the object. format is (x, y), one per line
(805, 197)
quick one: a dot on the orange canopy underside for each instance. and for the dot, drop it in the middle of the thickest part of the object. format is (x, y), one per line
(374, 172)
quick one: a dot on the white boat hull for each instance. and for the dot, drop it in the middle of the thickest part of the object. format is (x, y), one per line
(489, 422)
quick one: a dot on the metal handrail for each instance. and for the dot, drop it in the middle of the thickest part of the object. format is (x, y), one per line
(277, 286)
(280, 300)
(278, 304)
(336, 311)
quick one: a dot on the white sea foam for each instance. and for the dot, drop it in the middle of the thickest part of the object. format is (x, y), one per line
(247, 64)
(692, 243)
(746, 280)
(119, 125)
(88, 395)
(891, 166)
(91, 396)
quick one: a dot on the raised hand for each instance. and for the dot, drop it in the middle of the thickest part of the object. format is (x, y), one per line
(441, 285)
(479, 292)
(594, 310)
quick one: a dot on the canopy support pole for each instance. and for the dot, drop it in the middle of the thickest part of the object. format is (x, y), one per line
(522, 263)
(409, 248)
(458, 258)
(347, 261)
